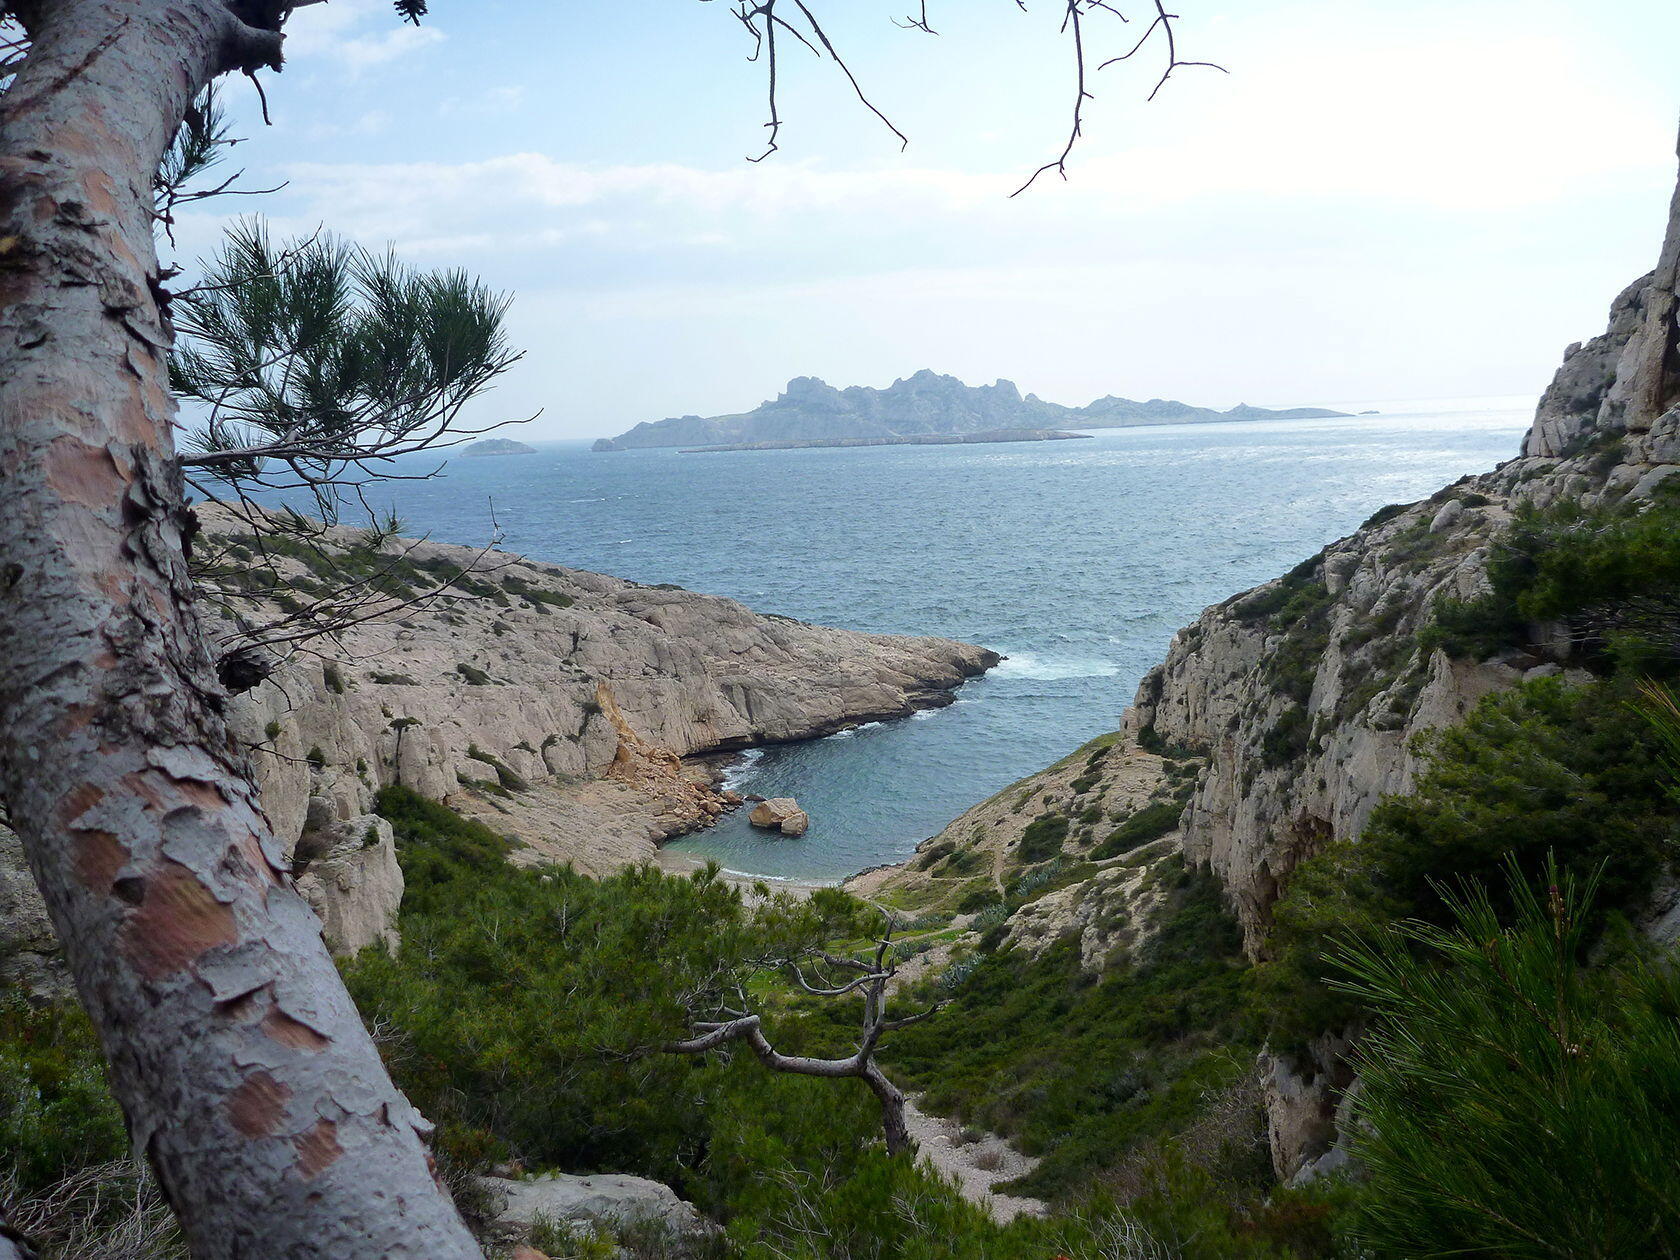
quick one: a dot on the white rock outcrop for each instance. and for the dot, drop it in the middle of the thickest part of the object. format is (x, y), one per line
(601, 1200)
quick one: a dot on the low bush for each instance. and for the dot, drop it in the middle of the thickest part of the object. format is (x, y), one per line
(1542, 769)
(1148, 824)
(1042, 838)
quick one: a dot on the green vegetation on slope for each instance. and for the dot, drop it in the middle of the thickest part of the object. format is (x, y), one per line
(1085, 1069)
(1547, 768)
(515, 1011)
(1542, 769)
(1610, 575)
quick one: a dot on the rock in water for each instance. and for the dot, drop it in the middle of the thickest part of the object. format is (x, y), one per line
(781, 813)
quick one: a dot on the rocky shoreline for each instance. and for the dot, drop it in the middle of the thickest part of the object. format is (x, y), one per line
(1282, 716)
(569, 710)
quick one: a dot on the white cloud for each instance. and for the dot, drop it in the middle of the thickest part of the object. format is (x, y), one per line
(358, 34)
(1406, 121)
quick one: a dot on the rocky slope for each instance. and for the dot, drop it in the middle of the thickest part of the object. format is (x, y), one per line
(1287, 712)
(926, 403)
(557, 705)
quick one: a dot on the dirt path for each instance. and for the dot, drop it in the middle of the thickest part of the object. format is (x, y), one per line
(975, 1166)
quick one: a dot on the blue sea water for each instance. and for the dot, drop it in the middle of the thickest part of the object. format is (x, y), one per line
(1078, 560)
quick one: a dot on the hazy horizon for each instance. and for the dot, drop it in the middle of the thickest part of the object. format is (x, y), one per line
(1372, 204)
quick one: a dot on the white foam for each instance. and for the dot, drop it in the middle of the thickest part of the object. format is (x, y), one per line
(1049, 668)
(739, 771)
(851, 731)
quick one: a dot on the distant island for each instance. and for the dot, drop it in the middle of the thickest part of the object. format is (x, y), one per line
(925, 405)
(499, 446)
(909, 439)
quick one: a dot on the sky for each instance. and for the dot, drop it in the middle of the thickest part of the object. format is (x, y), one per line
(1377, 201)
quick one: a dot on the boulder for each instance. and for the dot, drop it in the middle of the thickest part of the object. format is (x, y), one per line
(610, 1200)
(353, 882)
(1447, 517)
(780, 813)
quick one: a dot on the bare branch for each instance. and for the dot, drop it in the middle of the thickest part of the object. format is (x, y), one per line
(763, 20)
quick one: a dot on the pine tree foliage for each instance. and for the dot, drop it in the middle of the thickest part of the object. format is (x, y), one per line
(310, 363)
(1515, 1103)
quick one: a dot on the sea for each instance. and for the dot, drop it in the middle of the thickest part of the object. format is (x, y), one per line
(1077, 560)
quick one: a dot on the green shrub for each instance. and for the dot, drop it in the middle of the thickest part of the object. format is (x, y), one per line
(1542, 769)
(1288, 738)
(1383, 515)
(1611, 573)
(933, 854)
(56, 1111)
(506, 777)
(1042, 838)
(1083, 1068)
(1149, 823)
(978, 898)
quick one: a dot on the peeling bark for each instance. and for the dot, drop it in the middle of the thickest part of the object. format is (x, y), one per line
(242, 1066)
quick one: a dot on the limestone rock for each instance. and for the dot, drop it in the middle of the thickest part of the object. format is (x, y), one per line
(601, 1199)
(355, 884)
(781, 813)
(478, 700)
(558, 706)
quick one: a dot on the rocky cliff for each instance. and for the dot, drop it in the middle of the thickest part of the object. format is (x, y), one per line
(926, 403)
(557, 705)
(1284, 714)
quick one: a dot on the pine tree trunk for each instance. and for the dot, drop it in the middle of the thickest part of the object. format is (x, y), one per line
(891, 1098)
(243, 1068)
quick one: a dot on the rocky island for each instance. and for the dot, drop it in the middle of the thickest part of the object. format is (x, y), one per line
(499, 446)
(916, 439)
(811, 412)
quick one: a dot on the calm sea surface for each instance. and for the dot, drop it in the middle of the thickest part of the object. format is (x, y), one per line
(1078, 560)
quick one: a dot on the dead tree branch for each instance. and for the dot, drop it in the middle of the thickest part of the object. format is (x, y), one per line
(873, 976)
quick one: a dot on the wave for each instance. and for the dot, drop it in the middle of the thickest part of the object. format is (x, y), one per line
(741, 769)
(851, 731)
(1048, 668)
